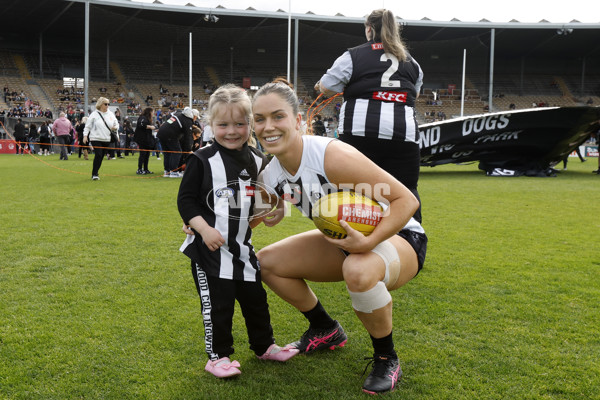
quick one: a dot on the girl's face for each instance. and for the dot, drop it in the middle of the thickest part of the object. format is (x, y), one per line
(230, 126)
(275, 124)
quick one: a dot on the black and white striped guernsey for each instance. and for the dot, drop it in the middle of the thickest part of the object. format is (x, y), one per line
(219, 185)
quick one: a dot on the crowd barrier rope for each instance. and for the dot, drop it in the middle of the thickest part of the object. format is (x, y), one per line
(27, 150)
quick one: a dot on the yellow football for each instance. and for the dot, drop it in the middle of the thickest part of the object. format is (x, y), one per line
(360, 212)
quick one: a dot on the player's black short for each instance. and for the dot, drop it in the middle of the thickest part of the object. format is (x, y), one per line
(417, 240)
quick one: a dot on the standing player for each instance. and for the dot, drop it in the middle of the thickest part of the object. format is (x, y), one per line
(381, 82)
(216, 198)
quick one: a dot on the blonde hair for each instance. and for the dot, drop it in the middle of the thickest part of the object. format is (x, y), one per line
(386, 30)
(100, 101)
(230, 94)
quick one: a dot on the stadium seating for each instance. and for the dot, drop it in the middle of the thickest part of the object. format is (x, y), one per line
(141, 76)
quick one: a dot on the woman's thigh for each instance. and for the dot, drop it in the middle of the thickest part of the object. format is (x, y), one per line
(306, 255)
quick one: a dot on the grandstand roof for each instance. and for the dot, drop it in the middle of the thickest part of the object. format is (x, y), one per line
(60, 25)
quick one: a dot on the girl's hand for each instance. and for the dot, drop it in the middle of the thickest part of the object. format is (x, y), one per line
(187, 229)
(212, 238)
(274, 216)
(355, 242)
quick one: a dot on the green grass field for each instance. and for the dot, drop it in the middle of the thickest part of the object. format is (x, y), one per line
(96, 302)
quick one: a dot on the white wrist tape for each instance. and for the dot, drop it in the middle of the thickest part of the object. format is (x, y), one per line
(373, 299)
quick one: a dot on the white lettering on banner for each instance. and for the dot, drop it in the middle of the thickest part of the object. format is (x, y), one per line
(459, 154)
(398, 97)
(488, 123)
(430, 137)
(498, 137)
(441, 149)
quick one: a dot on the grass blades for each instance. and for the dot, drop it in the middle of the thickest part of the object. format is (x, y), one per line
(96, 302)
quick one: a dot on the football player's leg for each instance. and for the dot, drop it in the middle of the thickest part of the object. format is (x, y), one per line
(287, 263)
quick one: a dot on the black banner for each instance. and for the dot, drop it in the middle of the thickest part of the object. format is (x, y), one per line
(516, 140)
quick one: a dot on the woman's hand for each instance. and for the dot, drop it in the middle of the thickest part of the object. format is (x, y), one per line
(85, 140)
(354, 242)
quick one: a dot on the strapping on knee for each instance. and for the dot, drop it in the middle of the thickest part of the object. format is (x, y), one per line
(389, 255)
(373, 299)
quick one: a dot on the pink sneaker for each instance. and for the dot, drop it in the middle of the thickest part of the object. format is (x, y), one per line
(223, 367)
(277, 353)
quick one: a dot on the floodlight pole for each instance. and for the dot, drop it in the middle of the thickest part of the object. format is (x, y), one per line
(86, 67)
(289, 39)
(491, 88)
(190, 79)
(462, 91)
(295, 53)
(107, 60)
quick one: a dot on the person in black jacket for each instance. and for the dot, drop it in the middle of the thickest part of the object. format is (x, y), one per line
(128, 132)
(20, 136)
(145, 140)
(177, 128)
(318, 126)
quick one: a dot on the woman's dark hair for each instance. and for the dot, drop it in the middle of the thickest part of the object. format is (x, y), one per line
(283, 89)
(147, 113)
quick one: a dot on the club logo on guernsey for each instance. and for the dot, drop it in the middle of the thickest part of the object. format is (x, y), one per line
(224, 193)
(223, 201)
(398, 97)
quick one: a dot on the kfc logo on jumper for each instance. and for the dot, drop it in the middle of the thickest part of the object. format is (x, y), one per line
(377, 46)
(398, 97)
(250, 191)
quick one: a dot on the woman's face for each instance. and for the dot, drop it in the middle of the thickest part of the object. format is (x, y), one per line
(275, 124)
(230, 127)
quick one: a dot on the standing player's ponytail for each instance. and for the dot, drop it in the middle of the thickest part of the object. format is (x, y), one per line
(385, 28)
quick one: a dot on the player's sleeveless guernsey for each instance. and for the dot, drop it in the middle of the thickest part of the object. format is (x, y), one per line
(310, 183)
(229, 179)
(380, 96)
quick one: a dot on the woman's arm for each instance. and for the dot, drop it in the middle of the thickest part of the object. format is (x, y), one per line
(346, 167)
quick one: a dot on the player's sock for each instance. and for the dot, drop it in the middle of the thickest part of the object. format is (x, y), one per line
(318, 317)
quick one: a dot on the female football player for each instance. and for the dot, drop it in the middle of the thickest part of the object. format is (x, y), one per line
(380, 81)
(303, 169)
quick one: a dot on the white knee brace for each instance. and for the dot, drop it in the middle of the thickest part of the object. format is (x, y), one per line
(389, 255)
(373, 299)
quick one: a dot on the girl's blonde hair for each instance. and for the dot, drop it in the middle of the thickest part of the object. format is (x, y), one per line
(230, 94)
(386, 30)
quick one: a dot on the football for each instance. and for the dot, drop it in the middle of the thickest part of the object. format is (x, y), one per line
(360, 212)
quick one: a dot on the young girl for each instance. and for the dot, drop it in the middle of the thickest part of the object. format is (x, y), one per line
(215, 201)
(303, 169)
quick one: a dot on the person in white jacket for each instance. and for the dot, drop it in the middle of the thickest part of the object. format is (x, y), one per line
(97, 130)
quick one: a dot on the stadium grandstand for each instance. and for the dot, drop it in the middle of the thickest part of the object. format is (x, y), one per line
(139, 53)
